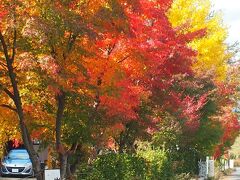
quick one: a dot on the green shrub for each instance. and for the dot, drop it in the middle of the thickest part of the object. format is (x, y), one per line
(159, 165)
(147, 164)
(115, 167)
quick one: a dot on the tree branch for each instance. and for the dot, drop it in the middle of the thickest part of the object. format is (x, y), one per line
(3, 65)
(14, 45)
(9, 107)
(4, 45)
(110, 50)
(9, 93)
(123, 59)
(60, 110)
(73, 149)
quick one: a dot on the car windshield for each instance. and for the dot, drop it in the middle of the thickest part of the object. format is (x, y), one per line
(18, 155)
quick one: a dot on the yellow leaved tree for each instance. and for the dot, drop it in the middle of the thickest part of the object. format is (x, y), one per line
(212, 51)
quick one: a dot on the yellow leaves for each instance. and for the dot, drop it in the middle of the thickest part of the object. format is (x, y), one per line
(87, 8)
(9, 127)
(94, 5)
(211, 56)
(191, 13)
(212, 51)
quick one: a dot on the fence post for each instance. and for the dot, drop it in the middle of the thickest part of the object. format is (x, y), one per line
(207, 166)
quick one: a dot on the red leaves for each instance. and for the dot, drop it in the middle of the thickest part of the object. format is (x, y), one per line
(3, 13)
(186, 108)
(125, 102)
(192, 35)
(191, 107)
(226, 89)
(165, 52)
(230, 126)
(16, 143)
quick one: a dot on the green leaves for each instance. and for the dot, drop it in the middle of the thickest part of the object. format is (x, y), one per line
(115, 167)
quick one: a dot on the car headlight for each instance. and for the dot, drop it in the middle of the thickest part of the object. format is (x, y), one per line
(3, 163)
(28, 164)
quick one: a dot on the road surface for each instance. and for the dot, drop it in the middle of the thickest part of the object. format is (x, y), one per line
(4, 178)
(234, 176)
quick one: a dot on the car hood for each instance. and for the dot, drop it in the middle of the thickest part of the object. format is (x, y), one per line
(17, 162)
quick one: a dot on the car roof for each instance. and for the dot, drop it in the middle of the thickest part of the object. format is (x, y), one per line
(19, 150)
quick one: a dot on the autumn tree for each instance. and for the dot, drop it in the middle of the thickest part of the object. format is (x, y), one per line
(10, 37)
(213, 54)
(67, 31)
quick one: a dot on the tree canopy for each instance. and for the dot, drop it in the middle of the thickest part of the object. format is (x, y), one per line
(94, 75)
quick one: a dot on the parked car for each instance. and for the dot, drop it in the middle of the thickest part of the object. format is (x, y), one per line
(17, 162)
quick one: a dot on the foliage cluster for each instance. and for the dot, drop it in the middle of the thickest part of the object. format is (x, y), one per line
(115, 166)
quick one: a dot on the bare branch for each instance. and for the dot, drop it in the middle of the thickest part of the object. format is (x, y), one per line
(73, 149)
(8, 107)
(110, 50)
(9, 93)
(3, 65)
(123, 59)
(4, 45)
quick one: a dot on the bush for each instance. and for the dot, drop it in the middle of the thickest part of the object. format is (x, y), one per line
(148, 163)
(115, 167)
(159, 165)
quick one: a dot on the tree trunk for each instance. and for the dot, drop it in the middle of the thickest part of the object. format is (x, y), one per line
(121, 143)
(69, 173)
(76, 155)
(15, 96)
(63, 165)
(62, 153)
(60, 149)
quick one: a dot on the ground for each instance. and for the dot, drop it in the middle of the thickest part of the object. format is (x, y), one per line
(234, 176)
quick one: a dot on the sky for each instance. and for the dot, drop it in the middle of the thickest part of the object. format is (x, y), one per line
(231, 17)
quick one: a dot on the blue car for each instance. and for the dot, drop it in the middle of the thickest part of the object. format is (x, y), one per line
(17, 162)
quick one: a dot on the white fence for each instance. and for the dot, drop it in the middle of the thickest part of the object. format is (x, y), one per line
(207, 168)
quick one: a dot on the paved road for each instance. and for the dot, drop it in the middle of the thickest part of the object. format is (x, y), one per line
(234, 176)
(3, 178)
(12, 178)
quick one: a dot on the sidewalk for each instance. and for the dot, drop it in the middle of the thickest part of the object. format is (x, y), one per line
(234, 176)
